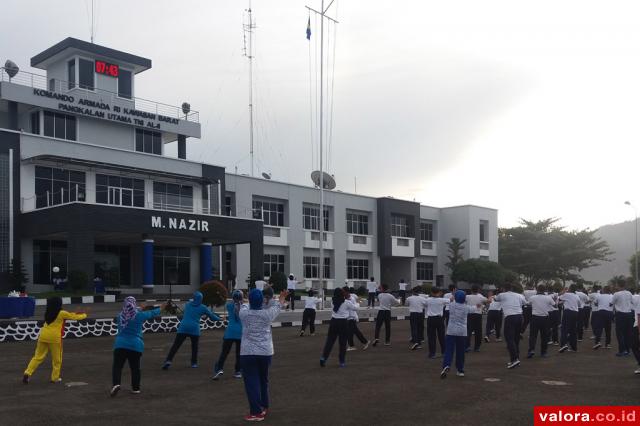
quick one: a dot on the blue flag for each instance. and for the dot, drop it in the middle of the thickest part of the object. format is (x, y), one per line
(309, 29)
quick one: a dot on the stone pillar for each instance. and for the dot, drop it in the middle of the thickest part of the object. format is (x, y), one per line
(147, 266)
(182, 147)
(205, 262)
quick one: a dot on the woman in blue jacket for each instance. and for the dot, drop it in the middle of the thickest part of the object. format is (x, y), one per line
(190, 327)
(233, 334)
(129, 344)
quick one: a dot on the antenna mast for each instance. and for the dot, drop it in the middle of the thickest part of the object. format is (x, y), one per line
(248, 28)
(93, 21)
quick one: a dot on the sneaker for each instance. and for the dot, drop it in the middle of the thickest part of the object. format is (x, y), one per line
(389, 344)
(414, 347)
(166, 365)
(25, 379)
(460, 374)
(579, 340)
(607, 347)
(58, 380)
(238, 374)
(322, 362)
(531, 354)
(637, 371)
(619, 354)
(513, 364)
(312, 334)
(550, 342)
(135, 392)
(375, 342)
(351, 348)
(597, 346)
(366, 345)
(301, 333)
(498, 340)
(556, 344)
(592, 337)
(217, 374)
(264, 412)
(114, 390)
(486, 339)
(194, 365)
(564, 348)
(254, 418)
(419, 347)
(443, 373)
(342, 365)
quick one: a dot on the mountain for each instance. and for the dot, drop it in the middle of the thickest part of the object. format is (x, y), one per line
(622, 242)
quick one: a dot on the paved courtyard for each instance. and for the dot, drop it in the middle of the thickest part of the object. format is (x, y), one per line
(383, 385)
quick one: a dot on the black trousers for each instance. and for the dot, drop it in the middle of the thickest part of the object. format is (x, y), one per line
(291, 297)
(494, 322)
(569, 329)
(403, 296)
(446, 317)
(474, 325)
(512, 327)
(180, 338)
(371, 301)
(338, 330)
(309, 317)
(414, 323)
(581, 324)
(624, 326)
(602, 322)
(554, 322)
(526, 317)
(383, 317)
(635, 344)
(421, 327)
(352, 327)
(435, 329)
(119, 357)
(541, 325)
(226, 348)
(587, 316)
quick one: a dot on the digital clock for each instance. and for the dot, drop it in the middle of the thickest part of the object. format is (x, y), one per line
(106, 68)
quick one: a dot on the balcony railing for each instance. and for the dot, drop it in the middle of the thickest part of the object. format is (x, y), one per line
(38, 81)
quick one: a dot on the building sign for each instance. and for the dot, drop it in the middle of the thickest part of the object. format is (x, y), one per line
(107, 69)
(180, 224)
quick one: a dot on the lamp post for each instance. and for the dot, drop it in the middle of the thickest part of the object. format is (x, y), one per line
(635, 254)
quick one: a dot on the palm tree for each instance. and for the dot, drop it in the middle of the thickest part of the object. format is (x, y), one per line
(456, 245)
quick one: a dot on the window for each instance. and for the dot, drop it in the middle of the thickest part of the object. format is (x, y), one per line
(357, 224)
(170, 196)
(35, 122)
(58, 186)
(46, 255)
(86, 76)
(357, 269)
(424, 271)
(59, 126)
(149, 142)
(228, 205)
(271, 213)
(124, 84)
(119, 191)
(310, 265)
(52, 85)
(273, 263)
(71, 74)
(112, 264)
(426, 231)
(484, 237)
(311, 218)
(399, 227)
(172, 265)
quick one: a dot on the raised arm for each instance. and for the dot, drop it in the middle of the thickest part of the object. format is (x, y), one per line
(212, 315)
(72, 316)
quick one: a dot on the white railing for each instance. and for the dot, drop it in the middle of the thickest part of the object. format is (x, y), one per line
(37, 81)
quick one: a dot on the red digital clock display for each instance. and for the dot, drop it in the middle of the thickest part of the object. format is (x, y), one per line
(106, 68)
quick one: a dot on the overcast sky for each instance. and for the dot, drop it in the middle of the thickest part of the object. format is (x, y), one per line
(528, 107)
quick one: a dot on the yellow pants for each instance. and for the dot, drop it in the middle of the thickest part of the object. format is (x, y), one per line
(41, 353)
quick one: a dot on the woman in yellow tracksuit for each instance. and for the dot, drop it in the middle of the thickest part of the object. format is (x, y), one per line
(50, 339)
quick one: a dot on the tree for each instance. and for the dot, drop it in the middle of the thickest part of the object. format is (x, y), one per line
(17, 275)
(278, 280)
(632, 267)
(455, 247)
(544, 251)
(478, 271)
(214, 293)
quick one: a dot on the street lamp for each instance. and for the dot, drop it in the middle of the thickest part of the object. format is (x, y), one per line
(635, 254)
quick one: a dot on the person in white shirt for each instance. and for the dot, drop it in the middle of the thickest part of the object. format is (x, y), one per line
(338, 327)
(309, 313)
(635, 337)
(372, 289)
(385, 300)
(541, 304)
(435, 322)
(260, 284)
(448, 296)
(569, 326)
(292, 284)
(604, 317)
(456, 339)
(554, 319)
(512, 304)
(621, 302)
(474, 321)
(352, 322)
(526, 309)
(582, 312)
(402, 287)
(416, 305)
(494, 320)
(593, 294)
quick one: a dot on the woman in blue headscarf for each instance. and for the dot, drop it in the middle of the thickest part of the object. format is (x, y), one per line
(233, 334)
(456, 339)
(190, 327)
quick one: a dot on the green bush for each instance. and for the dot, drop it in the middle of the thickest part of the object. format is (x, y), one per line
(17, 275)
(77, 280)
(362, 291)
(278, 280)
(214, 293)
(425, 288)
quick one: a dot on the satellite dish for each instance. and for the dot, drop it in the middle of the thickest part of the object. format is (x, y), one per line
(186, 108)
(328, 182)
(11, 68)
(266, 176)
